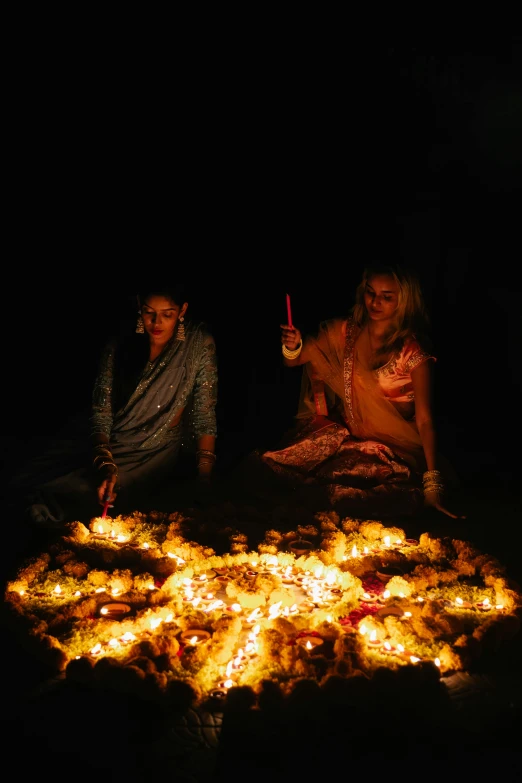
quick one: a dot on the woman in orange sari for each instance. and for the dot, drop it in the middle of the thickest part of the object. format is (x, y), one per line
(365, 439)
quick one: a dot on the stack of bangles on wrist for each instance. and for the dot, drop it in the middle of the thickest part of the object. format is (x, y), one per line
(205, 457)
(288, 354)
(103, 456)
(432, 482)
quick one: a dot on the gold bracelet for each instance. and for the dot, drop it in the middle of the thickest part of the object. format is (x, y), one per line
(288, 354)
(102, 456)
(206, 453)
(108, 463)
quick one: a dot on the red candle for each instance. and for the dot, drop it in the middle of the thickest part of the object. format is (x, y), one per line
(288, 310)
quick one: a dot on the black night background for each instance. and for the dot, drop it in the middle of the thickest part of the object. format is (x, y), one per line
(252, 187)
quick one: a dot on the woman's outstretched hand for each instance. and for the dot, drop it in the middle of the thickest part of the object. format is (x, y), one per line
(434, 500)
(106, 489)
(290, 336)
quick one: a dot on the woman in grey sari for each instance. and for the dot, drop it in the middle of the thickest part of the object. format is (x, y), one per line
(155, 391)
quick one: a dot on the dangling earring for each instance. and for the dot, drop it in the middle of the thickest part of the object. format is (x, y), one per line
(180, 334)
(140, 329)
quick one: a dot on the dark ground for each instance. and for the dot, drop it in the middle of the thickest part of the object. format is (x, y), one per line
(439, 189)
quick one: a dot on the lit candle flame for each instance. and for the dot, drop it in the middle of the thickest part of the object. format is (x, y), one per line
(354, 551)
(387, 540)
(58, 590)
(194, 640)
(213, 605)
(386, 594)
(414, 659)
(437, 662)
(309, 645)
(363, 629)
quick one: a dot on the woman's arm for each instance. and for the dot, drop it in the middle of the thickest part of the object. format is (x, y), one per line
(205, 400)
(422, 380)
(101, 425)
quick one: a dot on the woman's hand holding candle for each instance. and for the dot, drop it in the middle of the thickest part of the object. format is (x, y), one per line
(290, 336)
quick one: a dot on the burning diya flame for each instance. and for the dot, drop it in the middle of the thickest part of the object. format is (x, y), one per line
(310, 642)
(194, 636)
(373, 640)
(115, 610)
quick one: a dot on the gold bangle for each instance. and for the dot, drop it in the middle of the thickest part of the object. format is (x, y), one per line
(108, 463)
(206, 453)
(288, 354)
(103, 454)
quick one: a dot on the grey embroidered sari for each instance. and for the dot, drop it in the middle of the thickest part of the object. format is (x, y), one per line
(172, 404)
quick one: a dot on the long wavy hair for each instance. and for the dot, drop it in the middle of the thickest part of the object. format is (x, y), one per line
(411, 317)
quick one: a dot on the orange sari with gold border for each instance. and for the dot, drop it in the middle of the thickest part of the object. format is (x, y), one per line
(366, 454)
